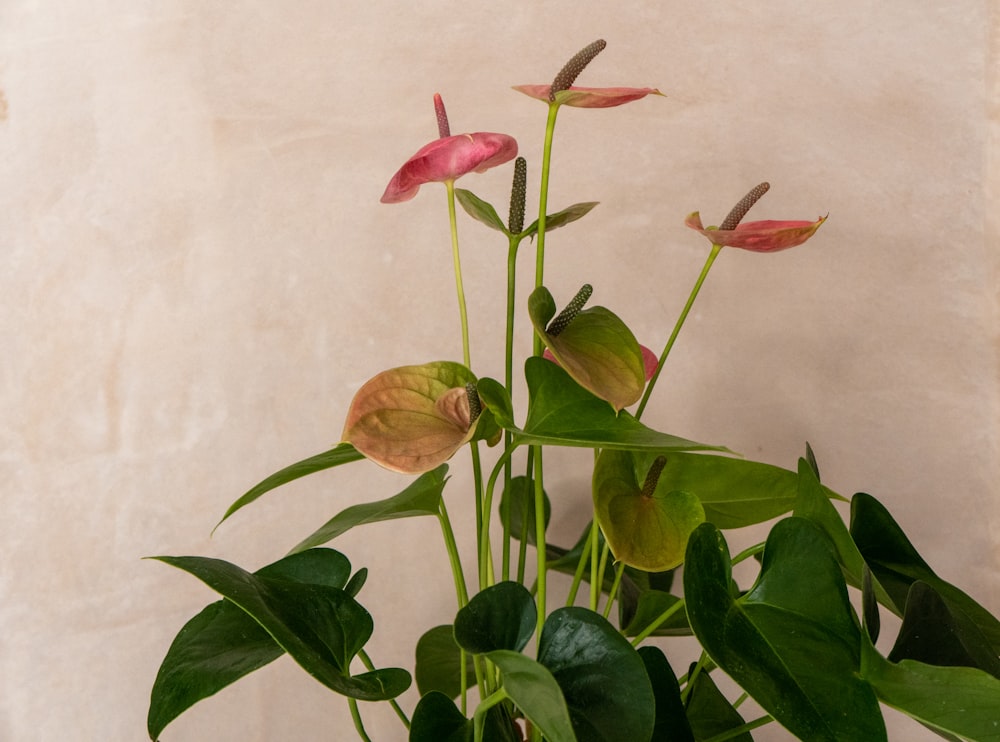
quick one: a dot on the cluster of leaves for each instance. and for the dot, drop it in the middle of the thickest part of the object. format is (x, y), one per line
(792, 640)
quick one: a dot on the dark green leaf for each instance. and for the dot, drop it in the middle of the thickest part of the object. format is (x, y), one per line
(651, 604)
(710, 713)
(321, 627)
(422, 497)
(562, 218)
(671, 721)
(439, 663)
(535, 692)
(480, 210)
(502, 616)
(436, 719)
(951, 700)
(897, 565)
(602, 677)
(345, 453)
(518, 504)
(792, 642)
(935, 634)
(871, 620)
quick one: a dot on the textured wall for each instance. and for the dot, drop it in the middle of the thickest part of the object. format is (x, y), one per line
(197, 274)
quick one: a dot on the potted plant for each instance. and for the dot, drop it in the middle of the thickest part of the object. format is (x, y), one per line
(519, 662)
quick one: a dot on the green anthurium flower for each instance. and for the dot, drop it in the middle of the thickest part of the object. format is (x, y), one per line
(593, 345)
(412, 419)
(646, 524)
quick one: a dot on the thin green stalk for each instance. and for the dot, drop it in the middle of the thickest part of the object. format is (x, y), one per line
(596, 578)
(356, 715)
(541, 557)
(453, 556)
(543, 202)
(580, 566)
(486, 576)
(479, 718)
(747, 553)
(619, 572)
(515, 242)
(656, 623)
(677, 328)
(742, 729)
(462, 313)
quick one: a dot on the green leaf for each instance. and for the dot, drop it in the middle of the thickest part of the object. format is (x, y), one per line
(792, 642)
(935, 634)
(412, 419)
(562, 413)
(602, 677)
(671, 721)
(709, 712)
(596, 349)
(535, 692)
(518, 504)
(645, 529)
(650, 605)
(734, 492)
(563, 217)
(951, 700)
(502, 616)
(436, 719)
(321, 627)
(345, 453)
(422, 497)
(439, 663)
(223, 643)
(897, 565)
(480, 210)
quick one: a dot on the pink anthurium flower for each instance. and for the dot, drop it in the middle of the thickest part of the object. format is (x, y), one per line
(764, 236)
(447, 159)
(579, 97)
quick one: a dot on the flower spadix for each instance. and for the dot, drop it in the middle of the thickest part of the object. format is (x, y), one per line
(447, 159)
(411, 419)
(645, 522)
(592, 345)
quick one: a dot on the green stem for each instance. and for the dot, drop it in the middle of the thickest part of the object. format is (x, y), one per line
(619, 572)
(656, 623)
(580, 567)
(742, 729)
(596, 578)
(462, 313)
(543, 203)
(485, 562)
(746, 554)
(515, 242)
(356, 715)
(369, 665)
(541, 557)
(479, 718)
(677, 328)
(453, 556)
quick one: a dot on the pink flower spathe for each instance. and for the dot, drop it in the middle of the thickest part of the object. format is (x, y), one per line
(587, 97)
(763, 236)
(449, 158)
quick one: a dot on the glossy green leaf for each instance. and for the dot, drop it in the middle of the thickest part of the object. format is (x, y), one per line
(535, 692)
(562, 413)
(897, 565)
(436, 719)
(963, 701)
(935, 634)
(223, 643)
(602, 677)
(710, 713)
(412, 419)
(563, 217)
(734, 492)
(345, 453)
(439, 663)
(480, 210)
(596, 349)
(518, 504)
(421, 497)
(645, 529)
(671, 721)
(324, 645)
(792, 642)
(503, 616)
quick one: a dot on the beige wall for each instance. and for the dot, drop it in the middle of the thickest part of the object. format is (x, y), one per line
(196, 275)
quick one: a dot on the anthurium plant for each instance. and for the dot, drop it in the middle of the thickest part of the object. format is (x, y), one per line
(519, 662)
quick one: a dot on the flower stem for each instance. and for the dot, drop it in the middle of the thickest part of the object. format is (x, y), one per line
(453, 556)
(677, 328)
(356, 716)
(462, 313)
(543, 202)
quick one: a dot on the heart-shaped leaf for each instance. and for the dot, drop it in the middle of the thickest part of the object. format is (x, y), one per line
(792, 642)
(671, 721)
(436, 719)
(602, 677)
(502, 616)
(324, 645)
(517, 508)
(595, 348)
(345, 453)
(223, 643)
(422, 497)
(439, 662)
(646, 523)
(897, 565)
(535, 692)
(411, 419)
(709, 712)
